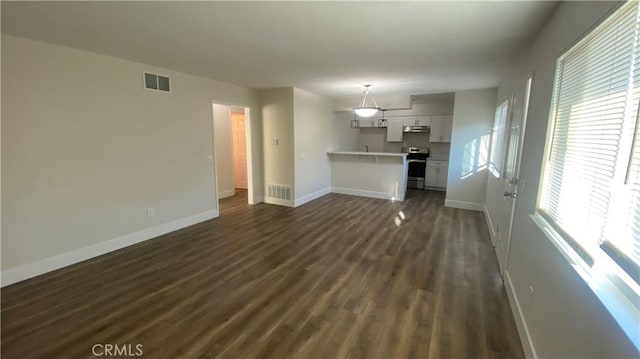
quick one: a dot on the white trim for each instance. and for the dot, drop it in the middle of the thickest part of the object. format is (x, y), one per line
(279, 202)
(225, 194)
(464, 205)
(492, 232)
(249, 150)
(310, 197)
(34, 269)
(257, 199)
(521, 324)
(370, 194)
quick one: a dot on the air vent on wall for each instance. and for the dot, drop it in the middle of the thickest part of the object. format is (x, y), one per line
(156, 82)
(279, 191)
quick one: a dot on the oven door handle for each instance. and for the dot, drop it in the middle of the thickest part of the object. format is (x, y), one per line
(416, 161)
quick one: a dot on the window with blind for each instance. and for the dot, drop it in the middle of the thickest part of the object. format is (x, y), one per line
(591, 183)
(498, 137)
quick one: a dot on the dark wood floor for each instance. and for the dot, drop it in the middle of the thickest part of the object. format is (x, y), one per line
(339, 277)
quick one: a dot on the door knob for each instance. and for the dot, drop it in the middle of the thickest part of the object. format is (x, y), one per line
(510, 194)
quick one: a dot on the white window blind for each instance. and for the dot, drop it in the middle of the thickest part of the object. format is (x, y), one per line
(591, 184)
(498, 136)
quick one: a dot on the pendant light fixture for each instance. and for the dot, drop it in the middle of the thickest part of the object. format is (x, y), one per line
(366, 109)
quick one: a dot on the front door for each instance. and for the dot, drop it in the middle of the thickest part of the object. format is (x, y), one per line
(510, 180)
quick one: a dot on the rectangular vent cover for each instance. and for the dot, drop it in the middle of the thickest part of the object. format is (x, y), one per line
(279, 191)
(156, 82)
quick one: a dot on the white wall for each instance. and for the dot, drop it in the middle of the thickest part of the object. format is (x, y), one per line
(313, 116)
(564, 318)
(344, 138)
(473, 114)
(277, 120)
(85, 151)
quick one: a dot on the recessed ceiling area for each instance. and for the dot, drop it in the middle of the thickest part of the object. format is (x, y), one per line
(330, 48)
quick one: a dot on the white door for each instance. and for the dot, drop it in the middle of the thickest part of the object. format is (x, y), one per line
(510, 180)
(239, 150)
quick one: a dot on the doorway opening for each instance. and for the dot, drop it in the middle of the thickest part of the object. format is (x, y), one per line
(232, 152)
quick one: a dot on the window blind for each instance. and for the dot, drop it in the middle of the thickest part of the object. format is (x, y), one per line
(591, 183)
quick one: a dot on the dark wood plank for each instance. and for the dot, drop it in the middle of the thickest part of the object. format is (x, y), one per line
(339, 277)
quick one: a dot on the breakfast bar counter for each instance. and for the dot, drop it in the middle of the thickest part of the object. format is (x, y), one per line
(369, 174)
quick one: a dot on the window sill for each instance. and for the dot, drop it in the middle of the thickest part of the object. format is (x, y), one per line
(601, 279)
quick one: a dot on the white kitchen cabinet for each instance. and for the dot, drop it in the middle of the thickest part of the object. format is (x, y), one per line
(441, 128)
(441, 179)
(423, 120)
(437, 173)
(431, 177)
(394, 130)
(369, 122)
(416, 121)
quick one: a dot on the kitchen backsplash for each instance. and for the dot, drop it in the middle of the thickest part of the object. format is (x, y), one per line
(415, 139)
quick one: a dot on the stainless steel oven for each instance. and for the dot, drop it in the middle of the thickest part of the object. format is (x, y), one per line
(416, 166)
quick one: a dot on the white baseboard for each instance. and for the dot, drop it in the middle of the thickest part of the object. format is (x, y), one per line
(34, 269)
(492, 232)
(464, 205)
(371, 194)
(310, 197)
(279, 202)
(521, 324)
(225, 194)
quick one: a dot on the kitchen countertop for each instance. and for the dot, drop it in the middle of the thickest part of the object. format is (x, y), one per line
(356, 153)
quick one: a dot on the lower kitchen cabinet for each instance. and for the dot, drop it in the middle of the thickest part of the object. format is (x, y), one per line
(436, 174)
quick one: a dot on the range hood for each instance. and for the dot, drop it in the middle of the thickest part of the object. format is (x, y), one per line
(416, 129)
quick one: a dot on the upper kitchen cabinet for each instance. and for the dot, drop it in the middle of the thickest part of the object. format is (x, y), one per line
(394, 130)
(441, 128)
(416, 121)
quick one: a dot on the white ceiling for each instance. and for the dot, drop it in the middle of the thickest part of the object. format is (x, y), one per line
(326, 47)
